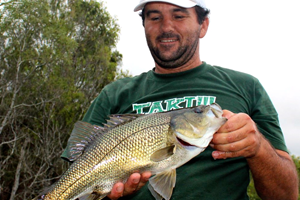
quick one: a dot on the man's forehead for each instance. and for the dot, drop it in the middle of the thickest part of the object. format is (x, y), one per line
(181, 3)
(158, 5)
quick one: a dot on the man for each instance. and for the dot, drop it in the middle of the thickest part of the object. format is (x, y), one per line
(251, 139)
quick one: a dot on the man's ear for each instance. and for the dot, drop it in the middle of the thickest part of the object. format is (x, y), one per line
(204, 27)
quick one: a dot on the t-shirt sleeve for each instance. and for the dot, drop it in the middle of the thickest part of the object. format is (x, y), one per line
(99, 110)
(265, 116)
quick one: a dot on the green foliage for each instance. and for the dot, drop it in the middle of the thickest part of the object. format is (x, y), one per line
(297, 164)
(55, 57)
(251, 189)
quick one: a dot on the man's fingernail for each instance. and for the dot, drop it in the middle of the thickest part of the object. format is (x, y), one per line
(135, 180)
(215, 155)
(119, 189)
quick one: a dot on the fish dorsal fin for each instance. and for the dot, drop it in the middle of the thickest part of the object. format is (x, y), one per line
(163, 153)
(161, 185)
(82, 135)
(119, 119)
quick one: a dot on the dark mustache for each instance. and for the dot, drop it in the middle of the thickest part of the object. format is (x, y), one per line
(167, 36)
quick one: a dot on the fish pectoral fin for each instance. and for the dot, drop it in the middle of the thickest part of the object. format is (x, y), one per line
(161, 185)
(163, 154)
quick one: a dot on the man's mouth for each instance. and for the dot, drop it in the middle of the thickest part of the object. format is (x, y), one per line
(168, 40)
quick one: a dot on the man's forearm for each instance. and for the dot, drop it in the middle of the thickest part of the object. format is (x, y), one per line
(274, 173)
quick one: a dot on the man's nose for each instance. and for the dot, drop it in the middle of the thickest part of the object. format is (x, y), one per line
(167, 25)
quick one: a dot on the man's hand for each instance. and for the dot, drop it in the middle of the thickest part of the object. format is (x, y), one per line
(270, 168)
(133, 184)
(239, 136)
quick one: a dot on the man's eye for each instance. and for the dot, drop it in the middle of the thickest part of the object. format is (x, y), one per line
(155, 18)
(179, 17)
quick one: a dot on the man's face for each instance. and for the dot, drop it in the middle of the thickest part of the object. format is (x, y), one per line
(172, 34)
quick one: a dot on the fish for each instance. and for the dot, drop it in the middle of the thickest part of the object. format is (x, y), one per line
(128, 143)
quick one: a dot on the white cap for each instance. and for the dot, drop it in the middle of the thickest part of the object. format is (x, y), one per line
(180, 3)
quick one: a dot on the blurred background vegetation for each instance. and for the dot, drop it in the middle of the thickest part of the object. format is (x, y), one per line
(55, 57)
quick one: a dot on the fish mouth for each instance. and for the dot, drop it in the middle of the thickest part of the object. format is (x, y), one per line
(216, 110)
(193, 142)
(184, 143)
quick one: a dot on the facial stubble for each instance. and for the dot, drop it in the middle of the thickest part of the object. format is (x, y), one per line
(179, 57)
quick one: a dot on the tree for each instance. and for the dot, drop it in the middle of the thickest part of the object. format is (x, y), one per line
(55, 57)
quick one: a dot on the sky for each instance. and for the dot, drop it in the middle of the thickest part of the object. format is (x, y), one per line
(261, 38)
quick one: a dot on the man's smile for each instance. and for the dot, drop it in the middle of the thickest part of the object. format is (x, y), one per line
(168, 40)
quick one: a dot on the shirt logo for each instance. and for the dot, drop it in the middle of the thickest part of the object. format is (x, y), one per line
(172, 104)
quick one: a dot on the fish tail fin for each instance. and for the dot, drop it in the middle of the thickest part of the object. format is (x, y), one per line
(40, 197)
(44, 192)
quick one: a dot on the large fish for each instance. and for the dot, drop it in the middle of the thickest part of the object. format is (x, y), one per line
(159, 142)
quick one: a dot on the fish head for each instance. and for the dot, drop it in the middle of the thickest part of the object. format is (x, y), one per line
(196, 126)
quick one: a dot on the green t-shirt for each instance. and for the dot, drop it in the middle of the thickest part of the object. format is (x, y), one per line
(203, 177)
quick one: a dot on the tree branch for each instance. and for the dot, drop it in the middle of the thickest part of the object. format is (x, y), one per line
(18, 171)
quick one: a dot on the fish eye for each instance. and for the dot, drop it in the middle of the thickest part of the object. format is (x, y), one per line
(198, 110)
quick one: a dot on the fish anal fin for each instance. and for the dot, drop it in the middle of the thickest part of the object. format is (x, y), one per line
(154, 193)
(163, 153)
(93, 196)
(82, 135)
(162, 184)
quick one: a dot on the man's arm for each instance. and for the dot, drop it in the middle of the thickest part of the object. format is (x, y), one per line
(281, 173)
(273, 171)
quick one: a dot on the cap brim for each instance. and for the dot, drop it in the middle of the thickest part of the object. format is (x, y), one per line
(179, 3)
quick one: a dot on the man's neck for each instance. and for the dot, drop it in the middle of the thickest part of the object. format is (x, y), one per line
(161, 70)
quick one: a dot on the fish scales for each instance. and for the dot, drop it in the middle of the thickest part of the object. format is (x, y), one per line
(158, 143)
(135, 136)
(136, 146)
